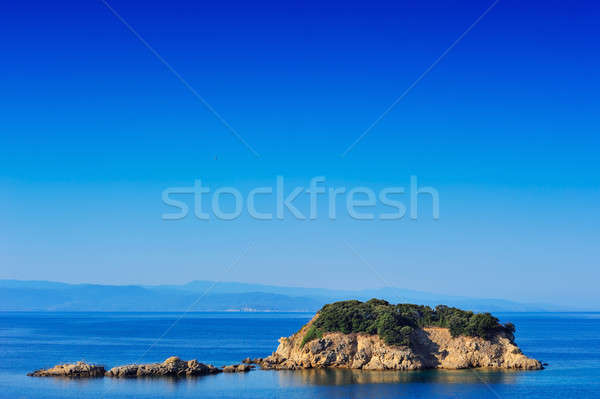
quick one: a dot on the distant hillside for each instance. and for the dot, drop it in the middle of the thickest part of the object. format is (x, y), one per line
(210, 296)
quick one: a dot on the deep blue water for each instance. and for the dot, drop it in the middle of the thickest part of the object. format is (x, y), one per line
(569, 342)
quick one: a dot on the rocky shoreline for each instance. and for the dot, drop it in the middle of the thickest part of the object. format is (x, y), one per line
(435, 348)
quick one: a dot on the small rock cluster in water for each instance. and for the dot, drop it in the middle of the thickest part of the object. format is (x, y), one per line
(171, 367)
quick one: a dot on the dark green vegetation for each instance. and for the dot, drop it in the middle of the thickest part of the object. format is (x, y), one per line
(396, 323)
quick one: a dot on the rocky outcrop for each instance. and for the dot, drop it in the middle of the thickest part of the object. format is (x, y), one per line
(257, 360)
(430, 348)
(237, 368)
(172, 367)
(74, 370)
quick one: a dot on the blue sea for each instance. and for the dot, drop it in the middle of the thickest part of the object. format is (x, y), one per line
(568, 342)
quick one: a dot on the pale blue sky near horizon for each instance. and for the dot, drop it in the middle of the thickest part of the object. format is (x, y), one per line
(505, 127)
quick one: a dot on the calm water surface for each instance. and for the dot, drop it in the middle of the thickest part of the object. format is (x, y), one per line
(569, 342)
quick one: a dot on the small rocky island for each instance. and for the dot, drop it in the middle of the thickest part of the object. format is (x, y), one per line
(372, 335)
(377, 335)
(171, 367)
(75, 370)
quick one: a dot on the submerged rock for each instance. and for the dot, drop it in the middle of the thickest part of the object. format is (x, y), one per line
(430, 348)
(171, 367)
(74, 370)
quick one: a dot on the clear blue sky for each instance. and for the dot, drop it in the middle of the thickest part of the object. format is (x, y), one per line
(506, 127)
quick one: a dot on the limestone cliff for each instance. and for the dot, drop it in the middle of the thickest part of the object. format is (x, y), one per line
(430, 348)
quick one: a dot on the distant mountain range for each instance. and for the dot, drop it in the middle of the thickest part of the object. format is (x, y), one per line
(18, 295)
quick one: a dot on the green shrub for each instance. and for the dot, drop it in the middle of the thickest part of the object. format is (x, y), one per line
(395, 324)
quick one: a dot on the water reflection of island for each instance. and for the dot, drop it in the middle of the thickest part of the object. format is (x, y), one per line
(349, 376)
